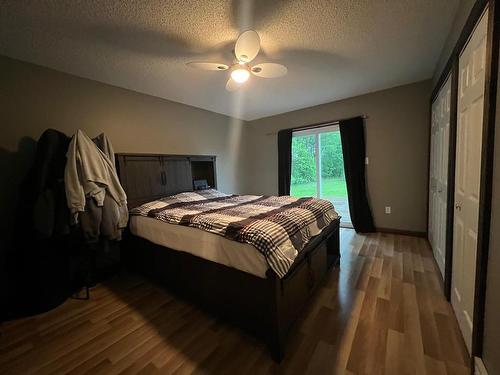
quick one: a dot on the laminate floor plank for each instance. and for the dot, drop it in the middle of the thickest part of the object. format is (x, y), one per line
(381, 312)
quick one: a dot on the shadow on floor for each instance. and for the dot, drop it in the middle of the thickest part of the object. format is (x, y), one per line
(183, 337)
(382, 311)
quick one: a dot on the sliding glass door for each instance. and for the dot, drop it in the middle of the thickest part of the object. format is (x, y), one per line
(318, 167)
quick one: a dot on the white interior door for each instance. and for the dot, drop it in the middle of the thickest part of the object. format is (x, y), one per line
(438, 184)
(467, 177)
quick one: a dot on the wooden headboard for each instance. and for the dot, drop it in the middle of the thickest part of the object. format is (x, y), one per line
(146, 177)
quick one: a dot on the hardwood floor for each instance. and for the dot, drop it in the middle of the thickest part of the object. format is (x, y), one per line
(382, 312)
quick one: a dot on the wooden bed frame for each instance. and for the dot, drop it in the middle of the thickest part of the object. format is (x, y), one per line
(266, 307)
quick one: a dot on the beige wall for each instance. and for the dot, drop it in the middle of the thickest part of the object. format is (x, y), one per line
(463, 11)
(34, 98)
(397, 133)
(491, 348)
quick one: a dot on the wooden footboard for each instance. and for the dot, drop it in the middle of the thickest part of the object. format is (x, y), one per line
(267, 308)
(294, 290)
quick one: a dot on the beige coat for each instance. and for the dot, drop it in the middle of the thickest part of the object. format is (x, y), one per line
(89, 173)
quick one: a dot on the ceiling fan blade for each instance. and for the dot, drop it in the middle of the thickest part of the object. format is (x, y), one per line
(247, 46)
(269, 70)
(232, 85)
(207, 65)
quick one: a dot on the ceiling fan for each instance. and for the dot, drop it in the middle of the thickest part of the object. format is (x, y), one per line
(246, 49)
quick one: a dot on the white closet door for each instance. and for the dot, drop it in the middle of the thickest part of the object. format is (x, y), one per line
(467, 177)
(438, 184)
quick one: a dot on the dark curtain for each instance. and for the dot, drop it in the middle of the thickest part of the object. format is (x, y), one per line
(353, 148)
(284, 161)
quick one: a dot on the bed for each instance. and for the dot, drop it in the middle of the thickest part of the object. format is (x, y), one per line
(235, 276)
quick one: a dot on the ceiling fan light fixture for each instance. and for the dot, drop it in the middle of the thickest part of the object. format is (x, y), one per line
(246, 50)
(240, 75)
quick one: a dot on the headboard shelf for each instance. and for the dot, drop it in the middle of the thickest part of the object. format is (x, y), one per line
(146, 177)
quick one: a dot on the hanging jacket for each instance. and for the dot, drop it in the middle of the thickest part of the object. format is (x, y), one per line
(103, 143)
(93, 190)
(38, 265)
(42, 193)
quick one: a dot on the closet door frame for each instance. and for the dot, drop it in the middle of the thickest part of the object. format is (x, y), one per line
(450, 194)
(450, 214)
(489, 112)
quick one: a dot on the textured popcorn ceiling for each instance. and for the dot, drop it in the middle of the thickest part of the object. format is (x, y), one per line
(333, 49)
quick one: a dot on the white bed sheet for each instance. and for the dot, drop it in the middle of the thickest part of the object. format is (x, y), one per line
(200, 243)
(211, 246)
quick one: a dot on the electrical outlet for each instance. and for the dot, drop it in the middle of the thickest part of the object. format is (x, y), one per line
(387, 209)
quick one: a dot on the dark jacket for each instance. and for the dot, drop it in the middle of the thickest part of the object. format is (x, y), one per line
(40, 276)
(42, 196)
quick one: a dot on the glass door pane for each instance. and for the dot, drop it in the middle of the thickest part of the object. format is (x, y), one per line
(304, 181)
(318, 168)
(332, 180)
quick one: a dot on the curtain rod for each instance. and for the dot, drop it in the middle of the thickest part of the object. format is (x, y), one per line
(321, 124)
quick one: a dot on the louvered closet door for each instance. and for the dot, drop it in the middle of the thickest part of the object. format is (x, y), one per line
(438, 184)
(467, 177)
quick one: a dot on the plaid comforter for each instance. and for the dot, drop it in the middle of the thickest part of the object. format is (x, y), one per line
(278, 227)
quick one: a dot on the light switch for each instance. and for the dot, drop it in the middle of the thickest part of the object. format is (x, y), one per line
(366, 160)
(387, 209)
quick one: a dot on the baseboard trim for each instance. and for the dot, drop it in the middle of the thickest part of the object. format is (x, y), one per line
(402, 232)
(479, 368)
